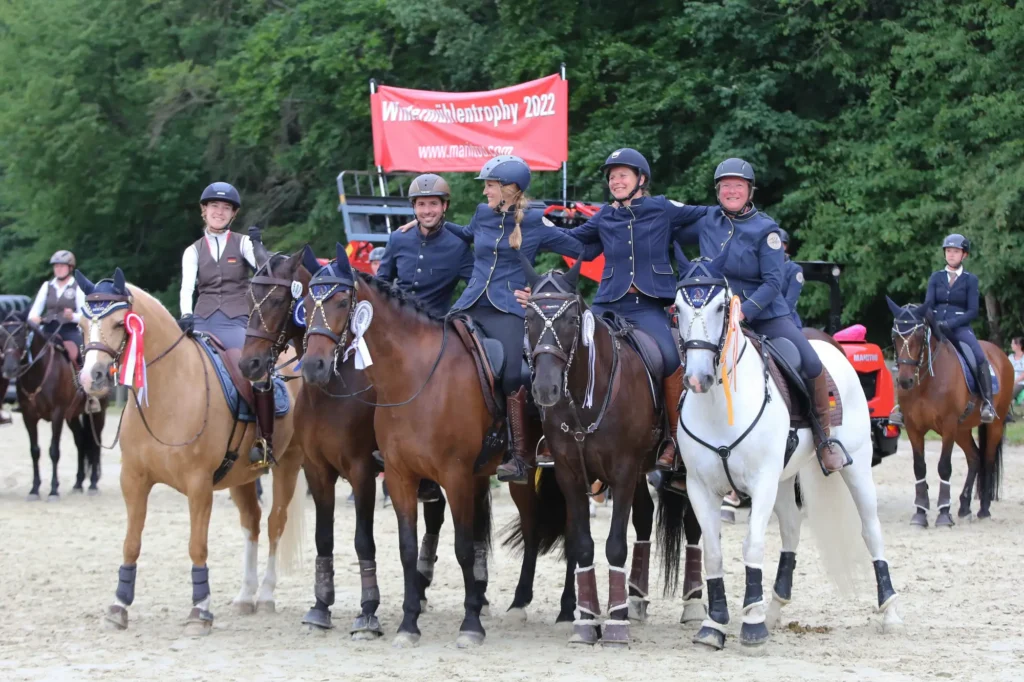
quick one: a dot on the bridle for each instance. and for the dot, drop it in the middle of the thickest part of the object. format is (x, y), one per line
(905, 335)
(279, 340)
(10, 337)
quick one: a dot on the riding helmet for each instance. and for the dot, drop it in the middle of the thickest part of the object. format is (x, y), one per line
(221, 191)
(507, 170)
(63, 257)
(957, 241)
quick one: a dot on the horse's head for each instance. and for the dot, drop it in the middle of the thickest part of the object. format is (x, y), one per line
(328, 306)
(553, 319)
(275, 294)
(14, 349)
(911, 337)
(106, 304)
(702, 304)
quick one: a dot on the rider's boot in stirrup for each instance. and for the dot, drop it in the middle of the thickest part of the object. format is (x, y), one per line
(831, 453)
(896, 416)
(513, 468)
(262, 453)
(672, 389)
(988, 413)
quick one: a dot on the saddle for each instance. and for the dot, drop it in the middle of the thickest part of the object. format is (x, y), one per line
(645, 346)
(969, 365)
(230, 358)
(784, 368)
(489, 357)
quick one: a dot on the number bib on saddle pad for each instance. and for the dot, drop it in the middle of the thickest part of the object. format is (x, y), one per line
(282, 401)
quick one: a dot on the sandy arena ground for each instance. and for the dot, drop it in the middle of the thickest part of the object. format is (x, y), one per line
(964, 619)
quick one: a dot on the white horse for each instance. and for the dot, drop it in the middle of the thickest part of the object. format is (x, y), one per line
(755, 435)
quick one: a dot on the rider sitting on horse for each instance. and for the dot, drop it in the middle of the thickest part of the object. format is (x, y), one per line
(219, 264)
(501, 227)
(792, 280)
(754, 269)
(57, 309)
(953, 299)
(427, 263)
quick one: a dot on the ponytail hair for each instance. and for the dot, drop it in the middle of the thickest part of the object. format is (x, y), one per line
(520, 202)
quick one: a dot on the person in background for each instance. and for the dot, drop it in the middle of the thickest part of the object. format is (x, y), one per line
(792, 280)
(1017, 360)
(376, 256)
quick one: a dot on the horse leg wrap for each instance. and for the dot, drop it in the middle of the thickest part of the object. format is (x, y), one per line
(323, 585)
(784, 577)
(480, 562)
(718, 609)
(428, 556)
(641, 568)
(616, 627)
(691, 577)
(754, 594)
(585, 627)
(886, 593)
(368, 580)
(921, 495)
(126, 584)
(944, 496)
(200, 584)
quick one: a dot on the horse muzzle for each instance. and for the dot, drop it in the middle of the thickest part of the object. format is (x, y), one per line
(545, 395)
(97, 380)
(257, 367)
(698, 383)
(316, 370)
(905, 383)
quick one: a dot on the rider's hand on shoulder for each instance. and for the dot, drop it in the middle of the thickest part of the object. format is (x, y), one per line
(408, 226)
(522, 296)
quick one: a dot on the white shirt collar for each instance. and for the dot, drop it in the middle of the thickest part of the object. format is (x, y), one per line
(959, 271)
(61, 287)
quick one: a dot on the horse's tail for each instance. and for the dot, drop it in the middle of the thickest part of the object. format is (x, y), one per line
(549, 514)
(671, 510)
(990, 474)
(289, 547)
(835, 523)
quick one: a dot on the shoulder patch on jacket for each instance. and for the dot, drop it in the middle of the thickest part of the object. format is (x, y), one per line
(547, 222)
(800, 277)
(676, 203)
(774, 240)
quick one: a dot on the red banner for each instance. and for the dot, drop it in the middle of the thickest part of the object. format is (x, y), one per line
(422, 130)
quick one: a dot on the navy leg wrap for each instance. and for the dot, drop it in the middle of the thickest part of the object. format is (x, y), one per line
(126, 584)
(200, 583)
(754, 592)
(784, 576)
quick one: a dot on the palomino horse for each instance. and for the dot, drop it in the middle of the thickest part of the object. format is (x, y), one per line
(600, 424)
(736, 439)
(933, 396)
(335, 434)
(46, 389)
(181, 433)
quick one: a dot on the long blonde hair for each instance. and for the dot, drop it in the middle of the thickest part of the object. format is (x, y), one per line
(521, 203)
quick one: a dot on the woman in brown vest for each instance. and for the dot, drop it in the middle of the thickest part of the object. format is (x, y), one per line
(219, 265)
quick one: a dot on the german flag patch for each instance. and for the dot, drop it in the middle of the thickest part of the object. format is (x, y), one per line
(232, 260)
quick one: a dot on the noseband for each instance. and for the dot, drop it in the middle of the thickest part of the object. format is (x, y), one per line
(905, 335)
(278, 340)
(567, 299)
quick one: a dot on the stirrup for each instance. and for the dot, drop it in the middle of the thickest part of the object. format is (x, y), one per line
(543, 461)
(989, 405)
(896, 418)
(514, 471)
(827, 442)
(659, 465)
(260, 456)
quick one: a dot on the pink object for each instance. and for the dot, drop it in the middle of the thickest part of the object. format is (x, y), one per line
(854, 334)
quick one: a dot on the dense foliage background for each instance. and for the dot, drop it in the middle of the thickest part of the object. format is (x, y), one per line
(876, 127)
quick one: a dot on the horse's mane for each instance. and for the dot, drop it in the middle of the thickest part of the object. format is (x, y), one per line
(399, 298)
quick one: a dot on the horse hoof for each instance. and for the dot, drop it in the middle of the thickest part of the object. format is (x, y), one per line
(93, 491)
(710, 638)
(405, 640)
(77, 490)
(637, 609)
(116, 618)
(944, 520)
(318, 619)
(753, 634)
(584, 634)
(891, 621)
(267, 606)
(693, 613)
(469, 640)
(198, 629)
(53, 497)
(244, 608)
(32, 497)
(615, 635)
(515, 615)
(965, 514)
(485, 611)
(919, 519)
(365, 628)
(366, 636)
(984, 514)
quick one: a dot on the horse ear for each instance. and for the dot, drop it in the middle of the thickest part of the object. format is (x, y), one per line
(893, 308)
(119, 280)
(531, 274)
(572, 277)
(717, 263)
(83, 283)
(309, 260)
(343, 266)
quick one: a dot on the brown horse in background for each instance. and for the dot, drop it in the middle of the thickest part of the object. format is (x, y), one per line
(186, 436)
(933, 396)
(46, 389)
(336, 435)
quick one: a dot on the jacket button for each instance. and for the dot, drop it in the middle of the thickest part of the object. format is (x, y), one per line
(419, 270)
(630, 258)
(421, 256)
(630, 274)
(630, 241)
(415, 283)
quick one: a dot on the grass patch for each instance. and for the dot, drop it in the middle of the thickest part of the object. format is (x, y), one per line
(1014, 434)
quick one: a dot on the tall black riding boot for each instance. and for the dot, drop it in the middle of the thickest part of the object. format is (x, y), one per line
(988, 412)
(262, 453)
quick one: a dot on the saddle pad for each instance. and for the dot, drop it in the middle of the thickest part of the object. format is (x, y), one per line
(972, 383)
(282, 401)
(644, 345)
(490, 382)
(797, 419)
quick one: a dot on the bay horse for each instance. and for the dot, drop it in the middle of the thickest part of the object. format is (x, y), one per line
(335, 434)
(47, 390)
(933, 396)
(427, 426)
(601, 422)
(733, 434)
(182, 433)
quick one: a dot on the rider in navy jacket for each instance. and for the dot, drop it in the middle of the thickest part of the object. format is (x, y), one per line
(953, 299)
(428, 262)
(792, 281)
(754, 269)
(636, 232)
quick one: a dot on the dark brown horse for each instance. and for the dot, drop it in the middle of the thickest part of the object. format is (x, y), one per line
(335, 434)
(431, 421)
(933, 396)
(602, 423)
(47, 390)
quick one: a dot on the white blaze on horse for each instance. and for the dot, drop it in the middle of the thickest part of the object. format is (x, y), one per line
(180, 431)
(733, 433)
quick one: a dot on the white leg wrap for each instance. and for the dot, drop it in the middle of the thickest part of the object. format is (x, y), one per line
(584, 569)
(754, 613)
(611, 621)
(708, 623)
(776, 597)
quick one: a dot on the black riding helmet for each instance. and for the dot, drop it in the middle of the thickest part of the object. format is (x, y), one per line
(630, 158)
(221, 191)
(957, 241)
